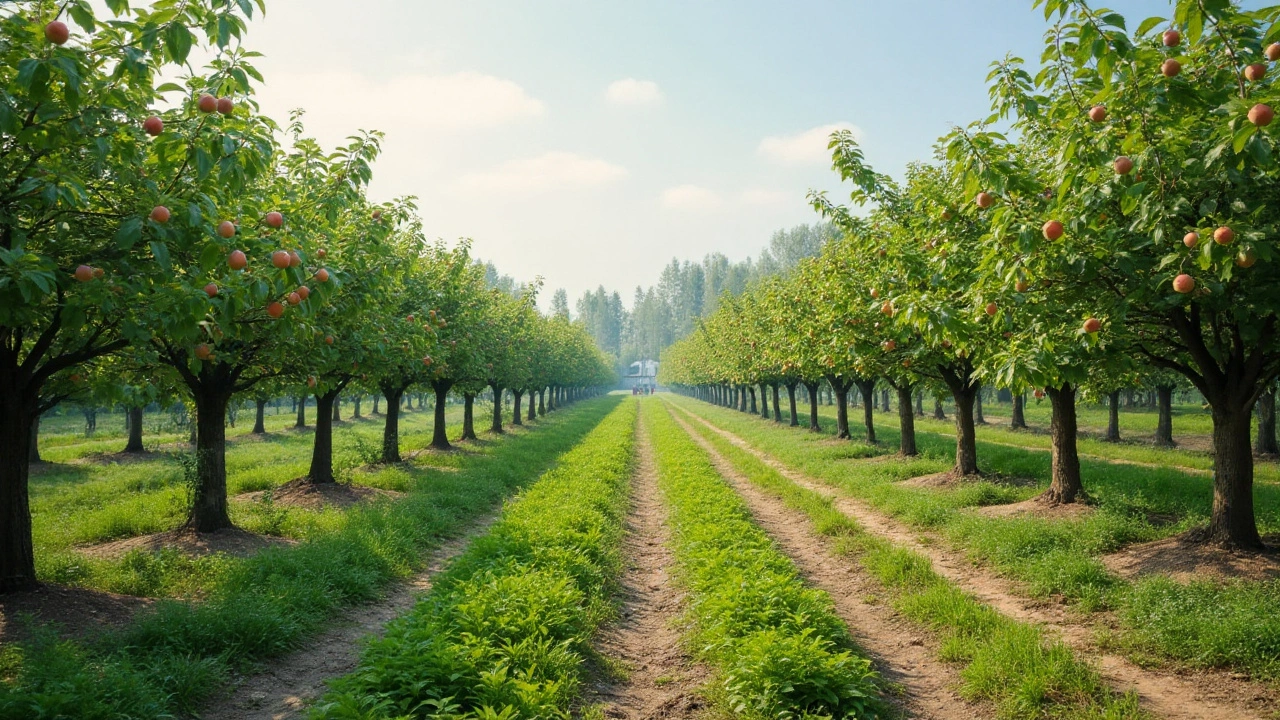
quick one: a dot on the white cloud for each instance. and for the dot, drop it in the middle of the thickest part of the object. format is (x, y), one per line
(804, 148)
(690, 197)
(631, 91)
(761, 197)
(549, 171)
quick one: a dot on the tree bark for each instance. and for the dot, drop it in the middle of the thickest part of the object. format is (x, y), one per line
(751, 392)
(1164, 423)
(938, 414)
(322, 444)
(542, 408)
(964, 389)
(355, 410)
(209, 506)
(1113, 417)
(977, 410)
(777, 406)
(533, 412)
(440, 433)
(134, 445)
(302, 412)
(764, 401)
(1265, 443)
(868, 390)
(19, 422)
(920, 404)
(376, 400)
(1066, 486)
(259, 417)
(1232, 523)
(884, 396)
(515, 416)
(813, 406)
(496, 426)
(33, 453)
(791, 401)
(468, 421)
(841, 388)
(337, 409)
(906, 422)
(391, 424)
(1018, 421)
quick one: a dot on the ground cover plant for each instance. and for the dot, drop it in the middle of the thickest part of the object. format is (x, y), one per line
(778, 646)
(505, 630)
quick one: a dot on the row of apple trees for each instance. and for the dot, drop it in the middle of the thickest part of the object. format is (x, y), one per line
(1123, 228)
(167, 234)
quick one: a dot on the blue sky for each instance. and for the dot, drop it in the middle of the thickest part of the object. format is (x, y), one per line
(590, 142)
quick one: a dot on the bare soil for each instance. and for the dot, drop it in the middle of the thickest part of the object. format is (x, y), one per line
(1039, 507)
(658, 679)
(905, 656)
(1184, 559)
(70, 612)
(301, 492)
(118, 458)
(288, 685)
(1167, 693)
(232, 541)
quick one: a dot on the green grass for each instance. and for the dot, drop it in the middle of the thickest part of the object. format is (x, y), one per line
(504, 632)
(778, 646)
(258, 607)
(1202, 625)
(1011, 664)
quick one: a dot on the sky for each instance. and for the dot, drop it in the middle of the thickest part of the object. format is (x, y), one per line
(590, 142)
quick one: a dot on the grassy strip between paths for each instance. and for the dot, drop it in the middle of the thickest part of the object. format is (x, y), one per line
(1202, 624)
(504, 632)
(168, 659)
(778, 646)
(1007, 662)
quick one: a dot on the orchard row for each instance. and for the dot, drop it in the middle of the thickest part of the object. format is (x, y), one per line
(1064, 257)
(167, 239)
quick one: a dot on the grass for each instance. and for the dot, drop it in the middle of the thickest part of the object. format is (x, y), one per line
(1236, 625)
(778, 646)
(504, 632)
(259, 607)
(1010, 663)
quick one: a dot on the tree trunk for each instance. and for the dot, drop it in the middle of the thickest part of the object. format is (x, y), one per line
(1019, 420)
(533, 412)
(777, 406)
(868, 390)
(920, 404)
(376, 399)
(1232, 523)
(302, 412)
(33, 453)
(1066, 486)
(1164, 423)
(337, 408)
(259, 418)
(764, 402)
(751, 392)
(841, 388)
(515, 416)
(813, 407)
(468, 421)
(964, 389)
(134, 445)
(209, 507)
(791, 401)
(906, 422)
(1265, 443)
(355, 410)
(977, 410)
(439, 432)
(18, 429)
(496, 426)
(322, 444)
(884, 395)
(1113, 417)
(938, 414)
(391, 425)
(542, 408)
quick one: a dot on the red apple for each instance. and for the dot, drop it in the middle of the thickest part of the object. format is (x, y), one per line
(887, 308)
(1039, 394)
(226, 106)
(1246, 258)
(280, 259)
(889, 345)
(1021, 286)
(946, 214)
(1184, 283)
(1261, 115)
(991, 309)
(1097, 113)
(311, 381)
(426, 360)
(1123, 165)
(210, 289)
(275, 309)
(328, 340)
(377, 214)
(1255, 72)
(294, 259)
(1171, 38)
(227, 229)
(274, 219)
(236, 260)
(1092, 325)
(304, 291)
(321, 253)
(985, 200)
(160, 214)
(946, 344)
(322, 275)
(153, 126)
(84, 273)
(1224, 235)
(1273, 51)
(1052, 230)
(1170, 68)
(57, 32)
(294, 298)
(203, 351)
(409, 319)
(207, 103)
(875, 294)
(1191, 239)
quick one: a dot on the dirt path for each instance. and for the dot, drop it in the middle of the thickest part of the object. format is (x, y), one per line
(290, 683)
(903, 654)
(661, 680)
(1198, 695)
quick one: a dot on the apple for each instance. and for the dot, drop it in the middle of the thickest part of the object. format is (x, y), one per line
(1097, 113)
(294, 298)
(991, 309)
(1224, 235)
(280, 259)
(426, 360)
(1123, 165)
(1191, 239)
(57, 32)
(203, 351)
(210, 289)
(1273, 51)
(377, 214)
(1261, 115)
(1255, 72)
(887, 307)
(1021, 286)
(207, 103)
(98, 273)
(1184, 283)
(84, 273)
(153, 126)
(409, 319)
(946, 214)
(875, 294)
(226, 106)
(1039, 394)
(881, 252)
(304, 292)
(236, 260)
(274, 219)
(985, 200)
(227, 229)
(1052, 230)
(1092, 325)
(311, 381)
(328, 340)
(322, 275)
(321, 253)
(275, 309)
(1246, 258)
(1171, 38)
(75, 377)
(160, 214)
(889, 345)
(1170, 68)
(294, 259)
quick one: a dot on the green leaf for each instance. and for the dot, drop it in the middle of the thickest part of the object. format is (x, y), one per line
(1148, 24)
(1242, 135)
(129, 234)
(118, 7)
(178, 42)
(161, 253)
